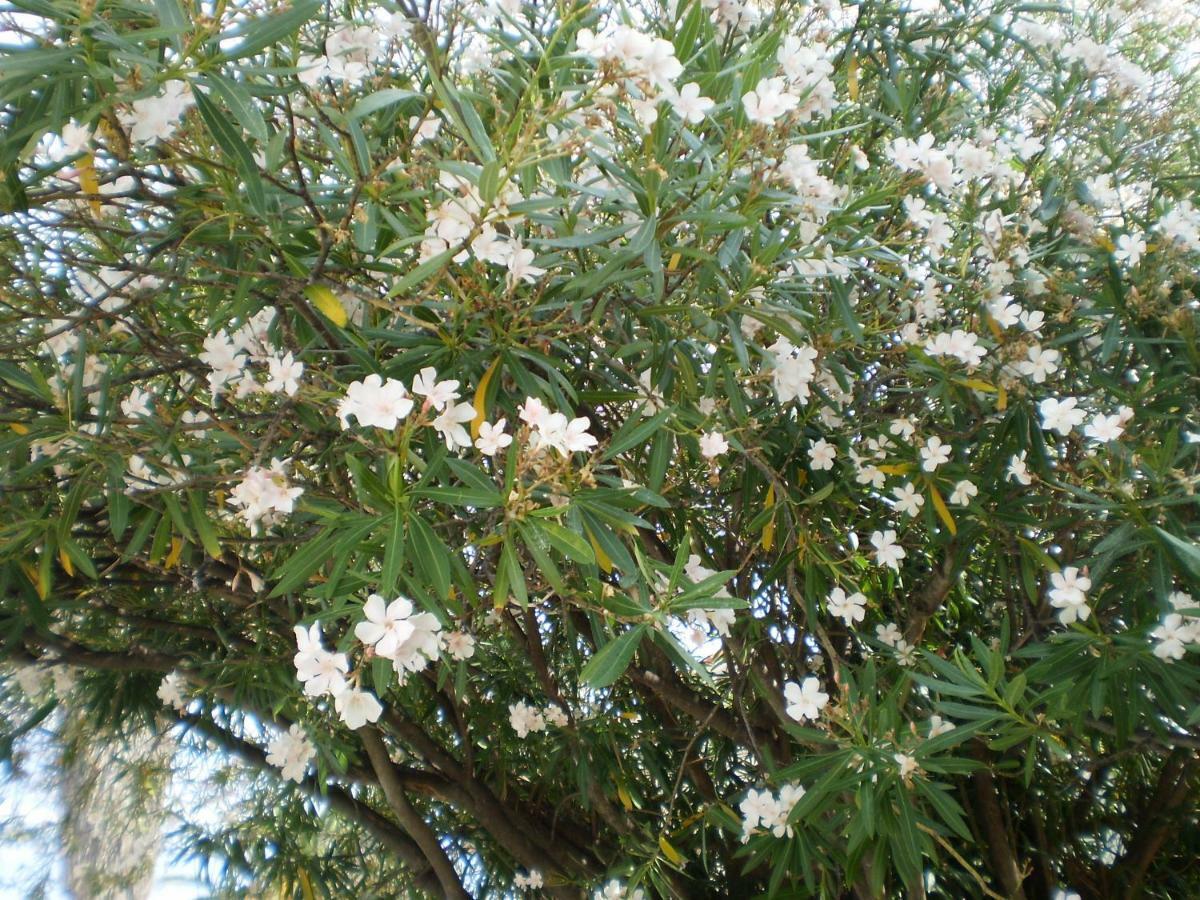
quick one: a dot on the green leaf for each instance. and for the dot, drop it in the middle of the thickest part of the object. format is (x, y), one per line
(568, 543)
(234, 147)
(635, 433)
(393, 555)
(430, 554)
(380, 100)
(612, 659)
(204, 526)
(241, 105)
(479, 498)
(265, 31)
(1185, 551)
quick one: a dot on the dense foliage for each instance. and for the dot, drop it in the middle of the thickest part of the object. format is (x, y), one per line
(711, 448)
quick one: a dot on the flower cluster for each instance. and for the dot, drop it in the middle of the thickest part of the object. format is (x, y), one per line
(264, 495)
(762, 809)
(394, 631)
(229, 356)
(526, 718)
(291, 752)
(1179, 628)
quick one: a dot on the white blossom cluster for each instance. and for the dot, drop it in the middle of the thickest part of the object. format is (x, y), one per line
(762, 809)
(526, 718)
(230, 354)
(291, 752)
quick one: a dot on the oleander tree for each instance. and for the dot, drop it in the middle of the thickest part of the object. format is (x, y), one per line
(701, 448)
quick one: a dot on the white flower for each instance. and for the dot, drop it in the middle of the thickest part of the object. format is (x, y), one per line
(963, 492)
(1105, 428)
(794, 369)
(652, 401)
(688, 104)
(264, 494)
(1181, 601)
(170, 692)
(565, 436)
(850, 609)
(614, 890)
(408, 638)
(1040, 364)
(75, 139)
(887, 551)
(821, 455)
(450, 424)
(525, 718)
(460, 645)
(1069, 595)
(907, 764)
(888, 634)
(533, 413)
(137, 404)
(436, 393)
(291, 751)
(1061, 415)
(520, 265)
(1173, 636)
(321, 671)
(425, 129)
(224, 357)
(556, 715)
(768, 101)
(385, 627)
(492, 438)
(1018, 470)
(759, 808)
(375, 403)
(284, 374)
(1129, 250)
(154, 118)
(934, 454)
(530, 882)
(939, 726)
(902, 428)
(357, 707)
(908, 499)
(713, 445)
(805, 700)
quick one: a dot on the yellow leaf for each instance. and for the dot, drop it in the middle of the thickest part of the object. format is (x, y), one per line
(481, 398)
(626, 800)
(768, 535)
(1002, 400)
(90, 183)
(602, 559)
(852, 79)
(327, 302)
(978, 385)
(895, 468)
(669, 852)
(18, 427)
(674, 263)
(306, 885)
(173, 556)
(35, 579)
(993, 327)
(65, 559)
(943, 511)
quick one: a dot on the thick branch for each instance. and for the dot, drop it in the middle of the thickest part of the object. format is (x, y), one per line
(410, 820)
